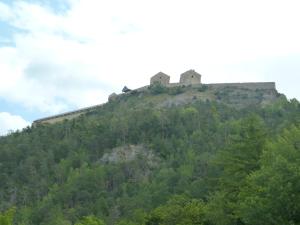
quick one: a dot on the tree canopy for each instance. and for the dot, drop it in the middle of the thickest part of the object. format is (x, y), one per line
(132, 163)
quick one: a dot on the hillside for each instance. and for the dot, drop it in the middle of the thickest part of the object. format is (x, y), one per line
(161, 156)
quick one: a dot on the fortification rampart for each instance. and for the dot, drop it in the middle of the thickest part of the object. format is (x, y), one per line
(249, 85)
(66, 116)
(189, 78)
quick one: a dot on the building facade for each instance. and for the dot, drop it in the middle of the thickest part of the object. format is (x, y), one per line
(190, 77)
(160, 78)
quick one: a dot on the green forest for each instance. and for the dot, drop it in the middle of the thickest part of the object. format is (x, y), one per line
(201, 163)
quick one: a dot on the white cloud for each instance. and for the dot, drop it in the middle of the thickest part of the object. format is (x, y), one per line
(5, 11)
(10, 122)
(78, 57)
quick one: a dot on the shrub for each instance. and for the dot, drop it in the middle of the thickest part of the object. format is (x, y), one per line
(176, 90)
(203, 88)
(157, 88)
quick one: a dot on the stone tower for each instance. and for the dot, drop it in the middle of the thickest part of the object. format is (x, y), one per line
(160, 78)
(190, 77)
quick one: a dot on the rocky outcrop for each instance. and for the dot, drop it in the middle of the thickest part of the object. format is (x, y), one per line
(112, 97)
(128, 153)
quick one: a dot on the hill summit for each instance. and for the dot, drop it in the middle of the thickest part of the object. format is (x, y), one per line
(188, 89)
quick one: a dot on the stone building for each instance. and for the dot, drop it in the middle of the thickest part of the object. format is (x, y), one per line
(190, 77)
(160, 78)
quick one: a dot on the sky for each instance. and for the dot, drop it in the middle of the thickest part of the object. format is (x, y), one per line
(61, 55)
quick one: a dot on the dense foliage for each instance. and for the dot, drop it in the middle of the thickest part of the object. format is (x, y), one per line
(212, 164)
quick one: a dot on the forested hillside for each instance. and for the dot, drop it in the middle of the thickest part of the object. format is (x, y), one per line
(133, 163)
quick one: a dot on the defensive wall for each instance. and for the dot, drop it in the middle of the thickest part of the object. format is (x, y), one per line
(249, 85)
(189, 78)
(65, 116)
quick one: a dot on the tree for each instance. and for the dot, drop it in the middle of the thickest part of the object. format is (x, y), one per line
(180, 210)
(7, 217)
(236, 161)
(272, 193)
(90, 220)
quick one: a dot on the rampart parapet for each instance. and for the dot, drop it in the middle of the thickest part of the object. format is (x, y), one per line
(248, 85)
(65, 116)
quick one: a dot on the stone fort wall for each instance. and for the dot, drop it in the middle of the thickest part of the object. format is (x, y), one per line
(65, 116)
(246, 85)
(249, 85)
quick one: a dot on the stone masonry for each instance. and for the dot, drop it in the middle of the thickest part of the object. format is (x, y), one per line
(190, 77)
(160, 78)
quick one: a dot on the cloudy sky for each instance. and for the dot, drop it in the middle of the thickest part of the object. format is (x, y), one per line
(60, 55)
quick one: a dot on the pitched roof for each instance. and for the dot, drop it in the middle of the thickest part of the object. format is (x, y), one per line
(191, 72)
(161, 74)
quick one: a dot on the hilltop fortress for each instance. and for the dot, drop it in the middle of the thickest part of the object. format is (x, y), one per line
(189, 79)
(192, 78)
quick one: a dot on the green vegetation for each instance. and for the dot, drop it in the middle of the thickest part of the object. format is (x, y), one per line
(210, 164)
(6, 218)
(203, 88)
(158, 88)
(90, 220)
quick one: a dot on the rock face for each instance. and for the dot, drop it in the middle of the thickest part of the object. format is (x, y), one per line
(160, 78)
(127, 153)
(190, 77)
